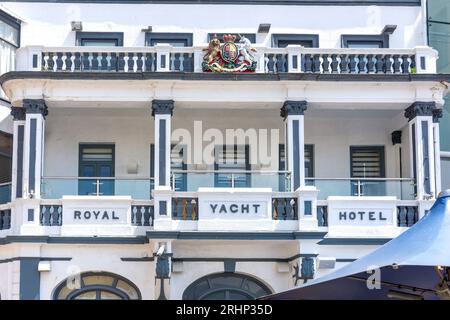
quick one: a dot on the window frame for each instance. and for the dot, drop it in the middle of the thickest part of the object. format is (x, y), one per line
(82, 35)
(365, 38)
(277, 37)
(160, 36)
(249, 36)
(12, 22)
(378, 148)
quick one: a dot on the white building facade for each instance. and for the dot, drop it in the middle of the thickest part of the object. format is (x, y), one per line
(212, 151)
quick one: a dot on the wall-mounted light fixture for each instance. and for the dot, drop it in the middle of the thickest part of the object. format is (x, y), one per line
(263, 27)
(76, 25)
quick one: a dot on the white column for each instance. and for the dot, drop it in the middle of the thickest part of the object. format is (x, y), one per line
(18, 156)
(437, 113)
(163, 57)
(36, 110)
(162, 112)
(422, 151)
(293, 114)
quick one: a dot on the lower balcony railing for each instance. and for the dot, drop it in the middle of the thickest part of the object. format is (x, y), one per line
(403, 189)
(191, 180)
(56, 187)
(5, 192)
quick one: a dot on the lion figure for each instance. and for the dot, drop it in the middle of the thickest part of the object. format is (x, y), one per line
(213, 51)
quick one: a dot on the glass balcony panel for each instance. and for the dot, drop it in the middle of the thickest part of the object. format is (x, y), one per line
(5, 193)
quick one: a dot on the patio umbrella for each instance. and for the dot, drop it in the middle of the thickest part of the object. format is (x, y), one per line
(413, 266)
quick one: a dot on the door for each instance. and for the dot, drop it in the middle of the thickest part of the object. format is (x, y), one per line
(96, 161)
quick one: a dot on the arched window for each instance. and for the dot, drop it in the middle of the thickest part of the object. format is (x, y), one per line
(226, 286)
(97, 286)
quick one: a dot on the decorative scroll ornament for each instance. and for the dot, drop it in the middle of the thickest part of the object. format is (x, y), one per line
(229, 56)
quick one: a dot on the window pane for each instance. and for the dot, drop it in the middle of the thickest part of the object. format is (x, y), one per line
(361, 44)
(90, 295)
(439, 10)
(367, 163)
(105, 295)
(99, 43)
(97, 154)
(129, 290)
(440, 40)
(95, 280)
(9, 33)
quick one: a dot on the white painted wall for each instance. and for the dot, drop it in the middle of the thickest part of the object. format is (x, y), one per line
(6, 123)
(49, 24)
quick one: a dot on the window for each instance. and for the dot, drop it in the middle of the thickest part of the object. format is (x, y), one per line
(226, 286)
(99, 39)
(174, 39)
(97, 161)
(365, 41)
(97, 286)
(232, 158)
(367, 162)
(305, 40)
(9, 42)
(309, 164)
(249, 36)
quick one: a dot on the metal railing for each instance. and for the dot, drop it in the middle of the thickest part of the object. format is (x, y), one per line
(402, 188)
(191, 180)
(56, 187)
(5, 192)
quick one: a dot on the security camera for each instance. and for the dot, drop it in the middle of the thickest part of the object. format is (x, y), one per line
(161, 250)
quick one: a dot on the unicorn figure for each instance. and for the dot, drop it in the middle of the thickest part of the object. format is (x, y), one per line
(245, 47)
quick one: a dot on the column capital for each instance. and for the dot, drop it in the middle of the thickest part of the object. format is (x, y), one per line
(162, 107)
(437, 114)
(291, 108)
(420, 109)
(18, 113)
(36, 106)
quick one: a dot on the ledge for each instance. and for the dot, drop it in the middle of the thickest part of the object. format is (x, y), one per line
(354, 241)
(199, 76)
(213, 235)
(73, 240)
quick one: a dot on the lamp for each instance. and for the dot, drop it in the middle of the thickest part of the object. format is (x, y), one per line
(263, 27)
(76, 25)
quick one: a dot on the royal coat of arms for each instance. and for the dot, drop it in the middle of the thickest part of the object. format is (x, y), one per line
(229, 56)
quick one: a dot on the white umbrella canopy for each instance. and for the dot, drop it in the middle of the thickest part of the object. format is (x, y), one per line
(414, 262)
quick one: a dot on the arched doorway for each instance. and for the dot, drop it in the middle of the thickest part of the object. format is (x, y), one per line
(97, 286)
(226, 286)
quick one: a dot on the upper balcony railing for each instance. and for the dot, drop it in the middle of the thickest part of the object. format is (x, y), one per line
(165, 58)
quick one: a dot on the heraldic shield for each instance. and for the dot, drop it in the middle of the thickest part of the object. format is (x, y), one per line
(229, 56)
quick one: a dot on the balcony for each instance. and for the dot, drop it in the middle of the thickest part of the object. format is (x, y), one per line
(165, 58)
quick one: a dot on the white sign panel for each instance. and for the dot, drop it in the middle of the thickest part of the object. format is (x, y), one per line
(235, 209)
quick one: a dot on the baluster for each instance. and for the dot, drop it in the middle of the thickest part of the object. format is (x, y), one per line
(379, 63)
(194, 209)
(270, 63)
(316, 63)
(410, 216)
(361, 63)
(413, 64)
(370, 64)
(50, 62)
(402, 216)
(325, 63)
(174, 61)
(2, 213)
(133, 215)
(308, 62)
(334, 63)
(139, 62)
(76, 66)
(280, 63)
(405, 64)
(113, 62)
(47, 215)
(187, 63)
(388, 63)
(289, 211)
(319, 216)
(274, 209)
(352, 63)
(7, 219)
(45, 61)
(103, 64)
(396, 63)
(139, 215)
(183, 209)
(147, 216)
(59, 61)
(344, 64)
(325, 216)
(128, 63)
(85, 61)
(121, 62)
(94, 64)
(181, 62)
(68, 62)
(175, 208)
(281, 209)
